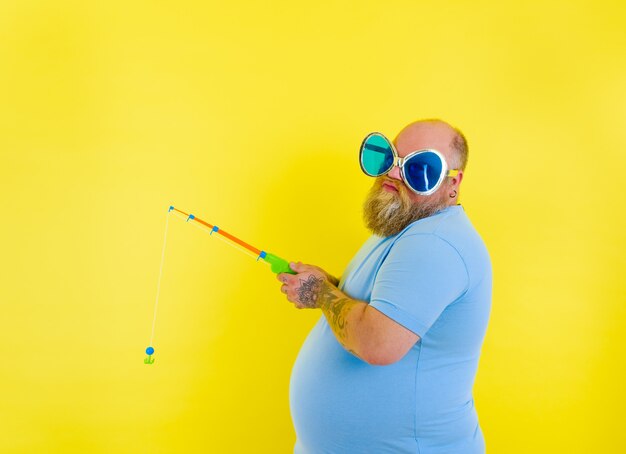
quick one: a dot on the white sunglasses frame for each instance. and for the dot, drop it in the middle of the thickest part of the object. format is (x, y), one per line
(398, 161)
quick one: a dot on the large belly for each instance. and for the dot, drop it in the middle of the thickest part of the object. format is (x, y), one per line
(339, 402)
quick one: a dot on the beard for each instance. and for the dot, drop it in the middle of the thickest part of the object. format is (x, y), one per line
(388, 213)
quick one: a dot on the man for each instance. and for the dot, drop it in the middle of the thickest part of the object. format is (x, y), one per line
(390, 366)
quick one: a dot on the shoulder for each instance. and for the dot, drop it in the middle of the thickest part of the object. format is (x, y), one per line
(448, 233)
(452, 226)
(444, 230)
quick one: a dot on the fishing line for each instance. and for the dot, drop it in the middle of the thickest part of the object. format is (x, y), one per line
(278, 265)
(150, 349)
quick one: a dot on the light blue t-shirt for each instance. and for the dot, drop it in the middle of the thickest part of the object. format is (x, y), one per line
(434, 278)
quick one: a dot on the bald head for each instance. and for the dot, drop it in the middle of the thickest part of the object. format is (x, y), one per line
(391, 205)
(435, 134)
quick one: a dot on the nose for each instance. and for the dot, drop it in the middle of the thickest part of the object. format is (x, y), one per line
(395, 173)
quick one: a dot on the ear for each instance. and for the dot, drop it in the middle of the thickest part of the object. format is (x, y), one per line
(456, 180)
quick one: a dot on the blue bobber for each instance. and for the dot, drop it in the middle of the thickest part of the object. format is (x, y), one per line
(149, 350)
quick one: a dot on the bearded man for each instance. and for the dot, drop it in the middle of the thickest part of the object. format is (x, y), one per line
(390, 366)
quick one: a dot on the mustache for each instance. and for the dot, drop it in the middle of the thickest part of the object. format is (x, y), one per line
(403, 191)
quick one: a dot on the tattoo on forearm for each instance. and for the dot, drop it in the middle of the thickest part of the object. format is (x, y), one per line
(316, 292)
(336, 309)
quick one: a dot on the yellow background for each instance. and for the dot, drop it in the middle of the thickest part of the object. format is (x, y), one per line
(250, 114)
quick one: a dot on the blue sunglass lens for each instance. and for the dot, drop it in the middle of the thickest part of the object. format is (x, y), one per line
(376, 155)
(423, 171)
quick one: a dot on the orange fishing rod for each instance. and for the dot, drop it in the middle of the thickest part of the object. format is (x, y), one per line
(278, 265)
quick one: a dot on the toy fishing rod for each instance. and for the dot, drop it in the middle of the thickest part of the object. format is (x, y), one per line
(277, 264)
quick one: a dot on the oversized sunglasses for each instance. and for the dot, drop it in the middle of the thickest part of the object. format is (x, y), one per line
(423, 171)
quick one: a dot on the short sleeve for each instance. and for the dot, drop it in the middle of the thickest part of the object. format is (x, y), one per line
(419, 278)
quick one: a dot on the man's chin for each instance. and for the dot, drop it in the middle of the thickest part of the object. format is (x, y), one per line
(385, 214)
(385, 220)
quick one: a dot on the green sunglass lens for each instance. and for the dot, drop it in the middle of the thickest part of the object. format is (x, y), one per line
(376, 155)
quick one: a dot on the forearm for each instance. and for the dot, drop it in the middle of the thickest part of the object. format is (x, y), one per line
(344, 315)
(360, 328)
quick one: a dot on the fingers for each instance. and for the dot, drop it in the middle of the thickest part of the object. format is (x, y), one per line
(287, 280)
(290, 297)
(284, 277)
(298, 267)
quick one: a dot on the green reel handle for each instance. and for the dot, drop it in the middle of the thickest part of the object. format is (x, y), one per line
(278, 265)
